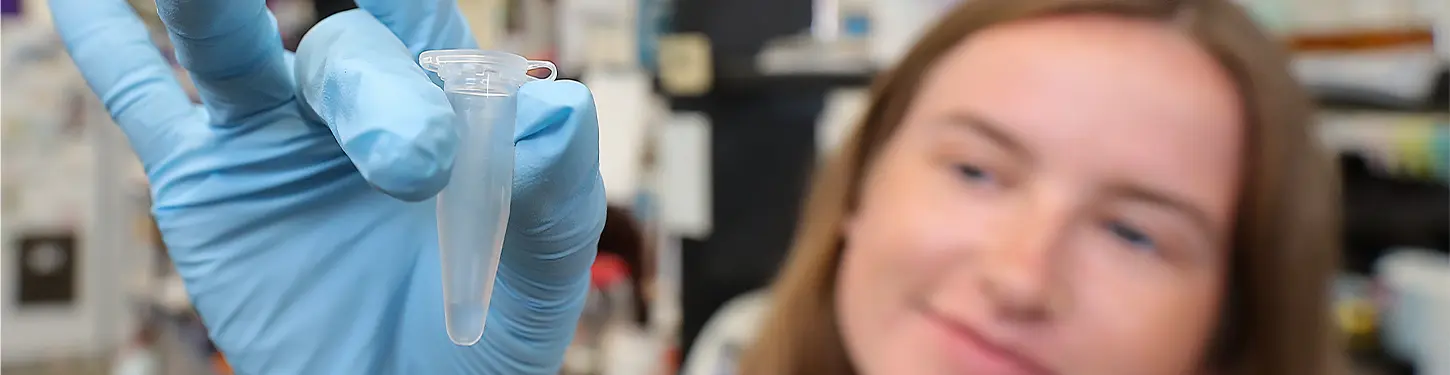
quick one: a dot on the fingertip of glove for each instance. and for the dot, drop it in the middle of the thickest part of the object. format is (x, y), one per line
(341, 22)
(557, 94)
(548, 104)
(410, 170)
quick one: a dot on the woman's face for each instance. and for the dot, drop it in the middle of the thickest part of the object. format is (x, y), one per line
(1057, 200)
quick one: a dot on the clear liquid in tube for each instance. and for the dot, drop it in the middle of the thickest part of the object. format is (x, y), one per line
(473, 209)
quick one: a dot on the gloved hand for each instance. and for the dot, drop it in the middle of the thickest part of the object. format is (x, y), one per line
(296, 201)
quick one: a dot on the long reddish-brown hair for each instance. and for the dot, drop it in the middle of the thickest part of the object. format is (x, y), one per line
(1276, 319)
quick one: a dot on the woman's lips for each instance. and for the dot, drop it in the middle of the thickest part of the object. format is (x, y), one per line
(975, 354)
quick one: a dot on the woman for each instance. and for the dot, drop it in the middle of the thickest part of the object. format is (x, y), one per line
(1041, 187)
(1075, 187)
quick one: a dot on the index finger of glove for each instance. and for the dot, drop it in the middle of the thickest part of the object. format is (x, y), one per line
(114, 52)
(393, 123)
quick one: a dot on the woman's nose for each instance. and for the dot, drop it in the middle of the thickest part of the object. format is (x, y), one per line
(1021, 270)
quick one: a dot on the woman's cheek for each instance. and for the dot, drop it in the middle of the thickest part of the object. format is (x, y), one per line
(1123, 309)
(879, 276)
(907, 243)
(895, 243)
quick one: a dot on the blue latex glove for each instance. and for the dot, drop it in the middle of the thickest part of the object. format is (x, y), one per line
(296, 202)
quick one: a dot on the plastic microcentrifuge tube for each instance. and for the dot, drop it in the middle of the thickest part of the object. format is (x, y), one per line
(473, 209)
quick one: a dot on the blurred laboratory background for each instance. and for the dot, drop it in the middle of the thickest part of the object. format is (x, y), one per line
(713, 114)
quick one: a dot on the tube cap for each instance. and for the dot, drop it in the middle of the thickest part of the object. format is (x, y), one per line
(455, 63)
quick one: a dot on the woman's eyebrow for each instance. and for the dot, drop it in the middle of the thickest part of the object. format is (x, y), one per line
(990, 130)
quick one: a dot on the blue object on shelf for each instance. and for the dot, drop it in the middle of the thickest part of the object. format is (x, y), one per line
(654, 22)
(856, 25)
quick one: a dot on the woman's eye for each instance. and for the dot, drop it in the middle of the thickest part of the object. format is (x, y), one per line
(1132, 236)
(973, 173)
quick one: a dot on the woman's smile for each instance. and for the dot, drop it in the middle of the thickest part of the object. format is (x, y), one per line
(968, 351)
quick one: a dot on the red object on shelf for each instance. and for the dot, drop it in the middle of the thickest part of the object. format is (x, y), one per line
(608, 269)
